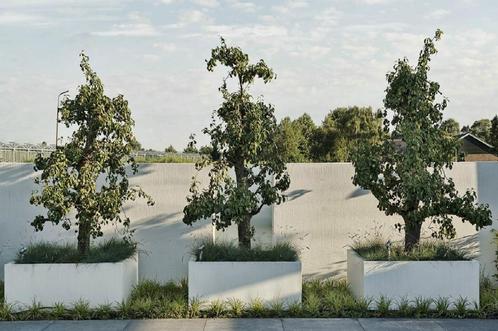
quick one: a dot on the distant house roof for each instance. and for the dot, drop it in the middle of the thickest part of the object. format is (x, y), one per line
(477, 141)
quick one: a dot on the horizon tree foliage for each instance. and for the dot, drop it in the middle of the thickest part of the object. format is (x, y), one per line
(451, 126)
(295, 138)
(481, 129)
(342, 130)
(100, 148)
(242, 135)
(410, 181)
(493, 134)
(170, 149)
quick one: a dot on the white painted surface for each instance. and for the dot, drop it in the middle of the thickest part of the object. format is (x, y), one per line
(47, 284)
(409, 280)
(165, 242)
(324, 209)
(246, 281)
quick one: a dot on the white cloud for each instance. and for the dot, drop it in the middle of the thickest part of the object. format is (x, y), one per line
(246, 6)
(253, 32)
(375, 2)
(207, 3)
(138, 26)
(13, 18)
(193, 16)
(129, 30)
(437, 14)
(165, 47)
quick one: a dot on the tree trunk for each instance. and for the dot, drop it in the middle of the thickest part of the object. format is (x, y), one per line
(244, 224)
(412, 234)
(244, 232)
(84, 237)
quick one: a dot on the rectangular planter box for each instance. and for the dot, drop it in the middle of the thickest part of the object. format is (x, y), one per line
(409, 280)
(245, 281)
(50, 283)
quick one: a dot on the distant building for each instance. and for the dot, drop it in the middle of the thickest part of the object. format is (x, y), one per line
(473, 148)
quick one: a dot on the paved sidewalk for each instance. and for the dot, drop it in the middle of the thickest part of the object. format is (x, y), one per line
(273, 324)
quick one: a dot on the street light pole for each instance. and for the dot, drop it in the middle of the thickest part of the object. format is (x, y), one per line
(57, 119)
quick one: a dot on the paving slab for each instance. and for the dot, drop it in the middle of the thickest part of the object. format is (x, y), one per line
(391, 324)
(468, 325)
(244, 324)
(107, 325)
(321, 324)
(24, 325)
(167, 325)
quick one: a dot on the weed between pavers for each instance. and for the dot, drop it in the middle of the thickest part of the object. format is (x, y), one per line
(331, 298)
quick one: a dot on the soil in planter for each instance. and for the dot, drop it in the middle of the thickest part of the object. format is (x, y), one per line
(230, 252)
(113, 250)
(377, 250)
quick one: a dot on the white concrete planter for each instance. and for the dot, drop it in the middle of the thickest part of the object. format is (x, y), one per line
(50, 283)
(245, 281)
(409, 280)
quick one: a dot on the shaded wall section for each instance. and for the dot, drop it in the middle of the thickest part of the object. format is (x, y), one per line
(325, 212)
(165, 242)
(322, 216)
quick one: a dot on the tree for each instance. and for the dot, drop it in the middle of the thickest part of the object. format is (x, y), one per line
(191, 150)
(206, 150)
(410, 181)
(451, 127)
(343, 129)
(307, 128)
(481, 129)
(242, 134)
(136, 146)
(170, 149)
(493, 134)
(294, 138)
(100, 146)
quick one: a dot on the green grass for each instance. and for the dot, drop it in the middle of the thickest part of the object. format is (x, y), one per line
(321, 299)
(113, 250)
(173, 158)
(376, 250)
(209, 251)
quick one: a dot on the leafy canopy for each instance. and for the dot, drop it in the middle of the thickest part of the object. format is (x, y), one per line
(343, 129)
(408, 179)
(99, 148)
(242, 135)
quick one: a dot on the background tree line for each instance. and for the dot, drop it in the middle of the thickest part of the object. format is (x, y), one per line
(342, 130)
(334, 140)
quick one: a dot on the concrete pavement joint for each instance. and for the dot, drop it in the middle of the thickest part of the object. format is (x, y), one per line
(49, 324)
(361, 325)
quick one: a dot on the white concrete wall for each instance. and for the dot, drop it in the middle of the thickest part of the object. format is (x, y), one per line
(323, 210)
(165, 241)
(408, 280)
(66, 283)
(245, 281)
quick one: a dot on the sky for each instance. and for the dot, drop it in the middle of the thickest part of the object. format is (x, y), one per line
(326, 54)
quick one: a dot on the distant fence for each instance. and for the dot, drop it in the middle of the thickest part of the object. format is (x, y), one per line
(28, 154)
(16, 154)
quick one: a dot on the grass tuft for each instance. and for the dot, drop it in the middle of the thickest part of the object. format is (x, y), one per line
(113, 250)
(376, 250)
(208, 251)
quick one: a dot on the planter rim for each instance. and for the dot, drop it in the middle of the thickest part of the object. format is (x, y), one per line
(272, 262)
(133, 257)
(411, 261)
